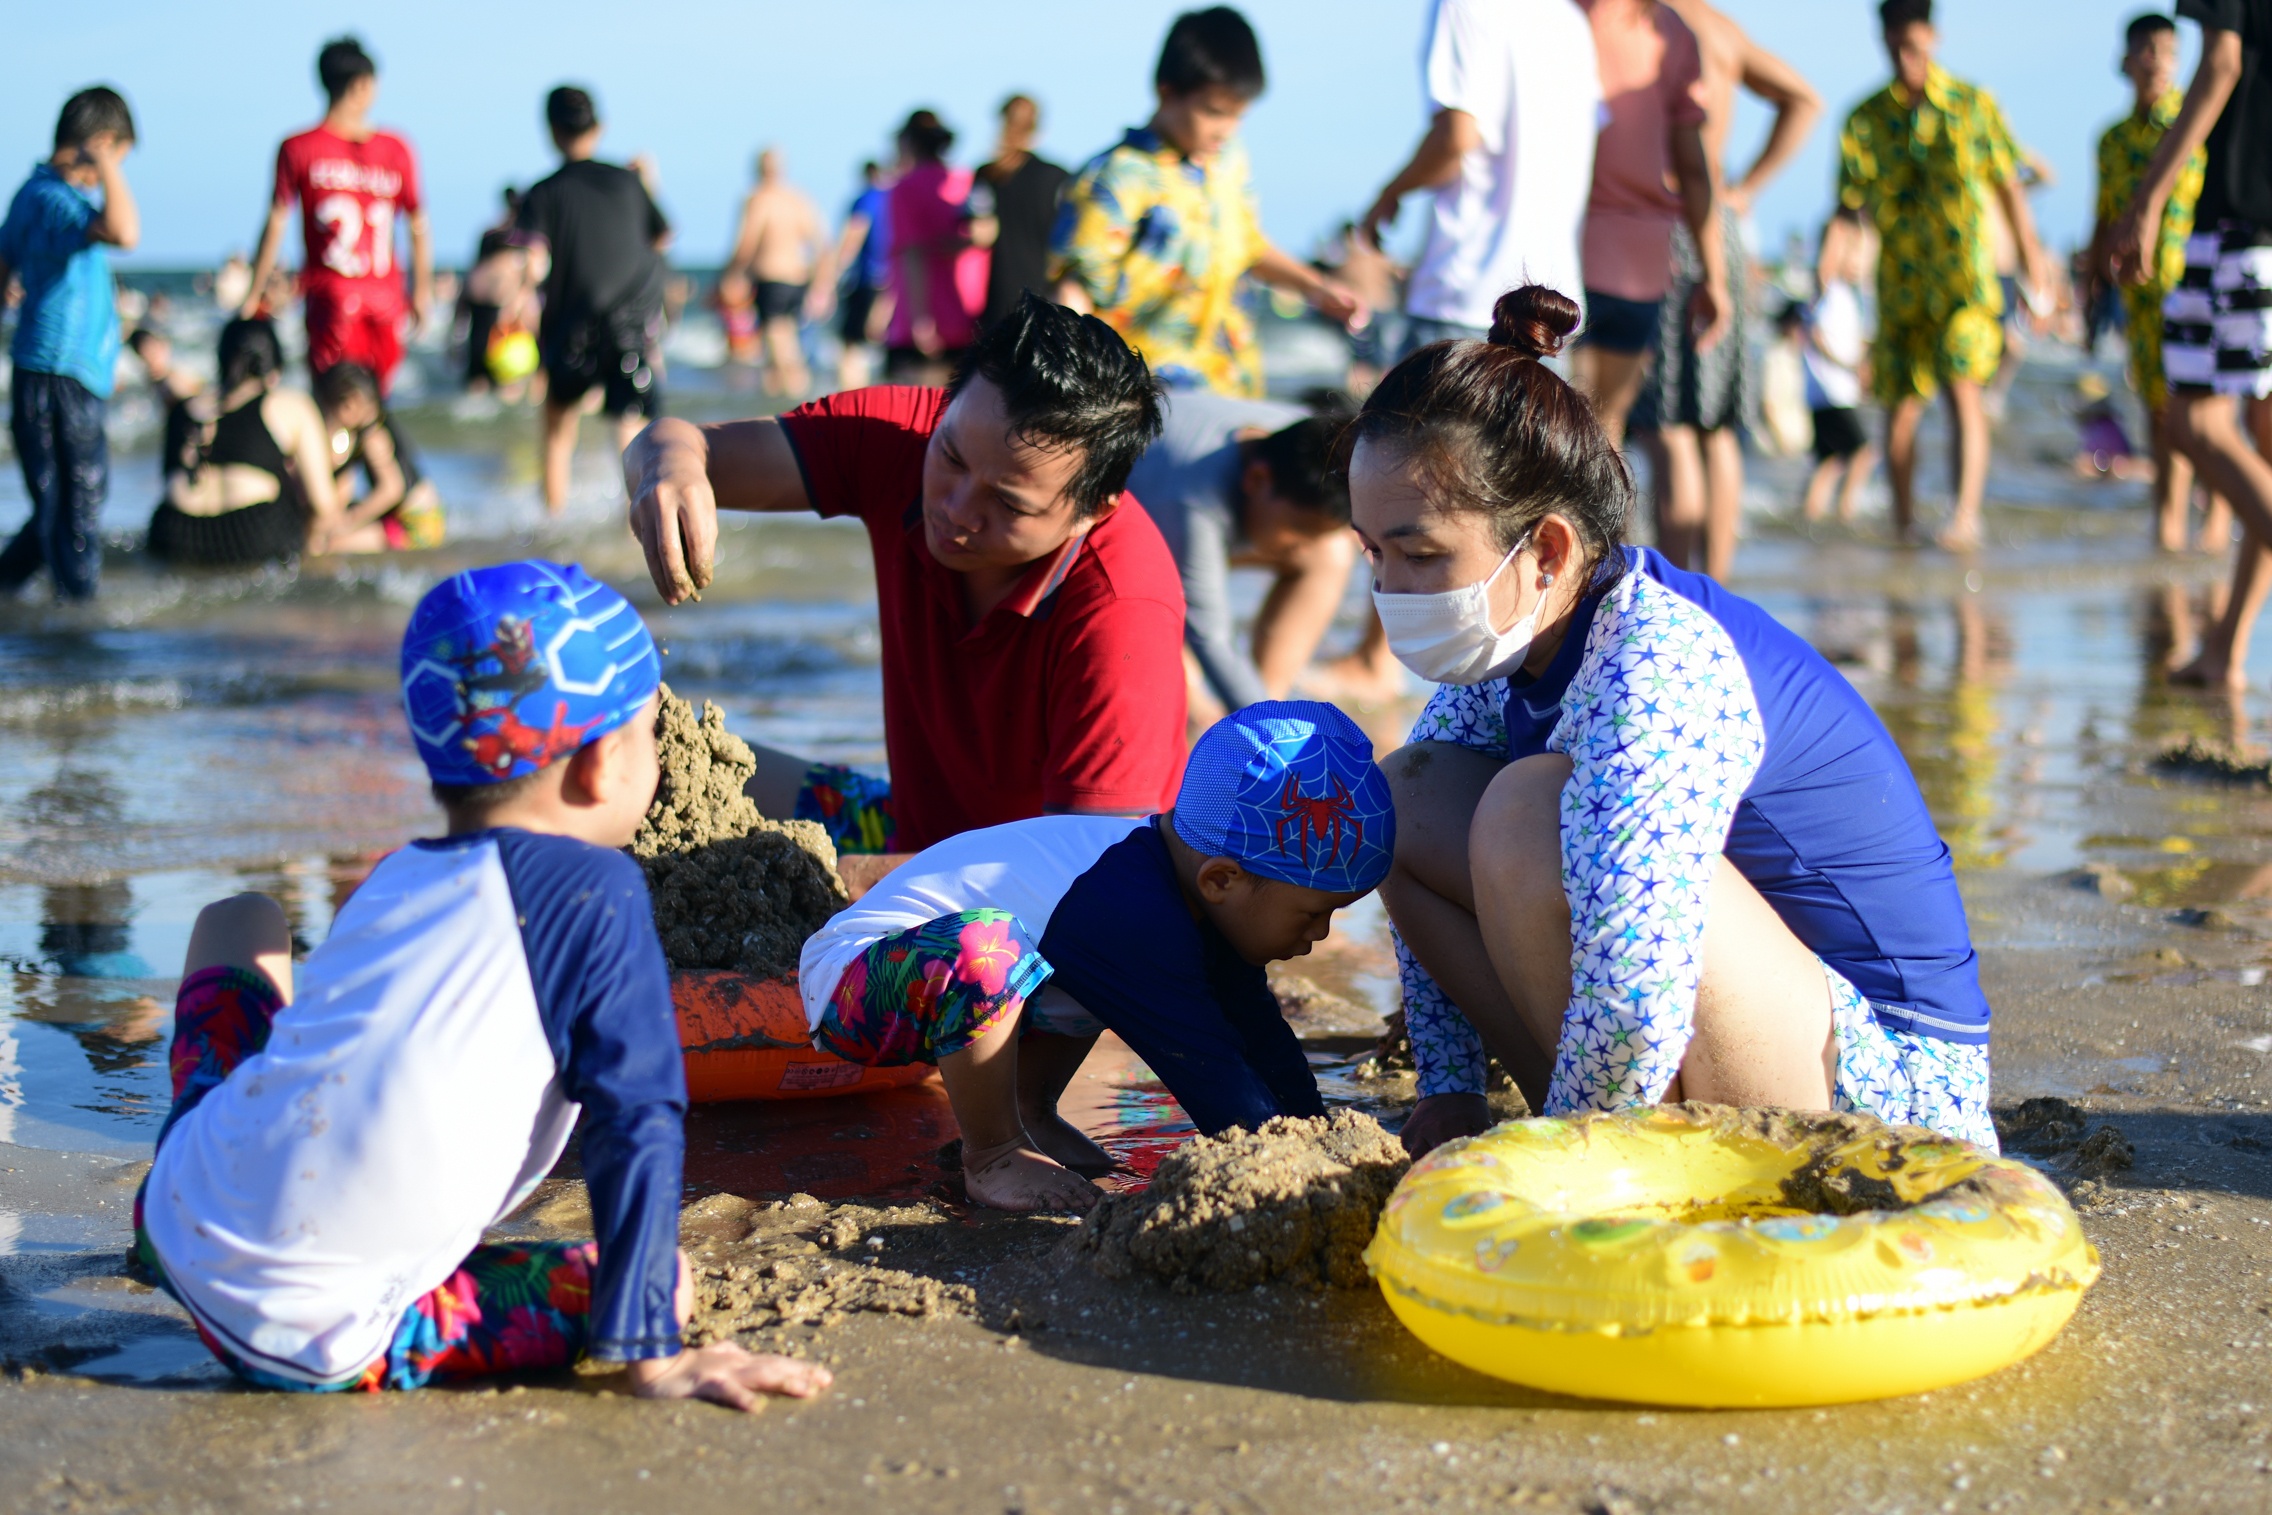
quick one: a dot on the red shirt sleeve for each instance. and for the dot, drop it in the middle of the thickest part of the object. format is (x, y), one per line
(861, 450)
(408, 202)
(1116, 708)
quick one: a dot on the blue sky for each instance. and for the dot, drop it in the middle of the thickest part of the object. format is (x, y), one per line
(701, 83)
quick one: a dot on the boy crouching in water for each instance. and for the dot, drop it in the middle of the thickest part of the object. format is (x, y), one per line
(334, 1155)
(1002, 954)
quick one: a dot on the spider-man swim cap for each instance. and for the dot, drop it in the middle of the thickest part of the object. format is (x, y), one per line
(1289, 789)
(507, 670)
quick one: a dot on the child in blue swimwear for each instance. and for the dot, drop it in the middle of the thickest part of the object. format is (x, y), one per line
(1002, 954)
(337, 1147)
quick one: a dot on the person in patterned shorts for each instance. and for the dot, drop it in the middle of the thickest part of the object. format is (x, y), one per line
(1920, 158)
(2149, 62)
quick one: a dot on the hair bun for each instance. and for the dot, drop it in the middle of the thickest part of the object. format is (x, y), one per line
(1534, 320)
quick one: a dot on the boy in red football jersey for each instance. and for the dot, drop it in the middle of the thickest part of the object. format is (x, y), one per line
(354, 184)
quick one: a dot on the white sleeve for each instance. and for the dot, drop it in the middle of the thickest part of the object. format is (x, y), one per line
(1457, 72)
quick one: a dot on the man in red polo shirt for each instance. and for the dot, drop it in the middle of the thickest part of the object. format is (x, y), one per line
(354, 184)
(1032, 618)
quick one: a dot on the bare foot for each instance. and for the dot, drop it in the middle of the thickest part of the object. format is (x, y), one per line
(1059, 1138)
(2209, 672)
(1015, 1177)
(1960, 536)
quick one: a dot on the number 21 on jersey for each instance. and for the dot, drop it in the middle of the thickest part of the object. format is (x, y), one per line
(346, 220)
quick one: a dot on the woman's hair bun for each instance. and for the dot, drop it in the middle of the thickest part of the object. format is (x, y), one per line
(1534, 320)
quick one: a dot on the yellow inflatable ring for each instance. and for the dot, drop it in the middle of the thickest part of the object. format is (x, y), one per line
(1702, 1255)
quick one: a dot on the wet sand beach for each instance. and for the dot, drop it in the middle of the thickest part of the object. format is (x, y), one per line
(179, 743)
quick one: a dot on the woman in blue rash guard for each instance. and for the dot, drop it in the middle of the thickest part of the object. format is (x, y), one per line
(1650, 845)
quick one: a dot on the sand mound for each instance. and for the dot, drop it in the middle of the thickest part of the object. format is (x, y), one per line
(732, 889)
(758, 1267)
(1297, 1199)
(2218, 762)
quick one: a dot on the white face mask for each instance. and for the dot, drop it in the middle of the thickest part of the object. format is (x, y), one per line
(1447, 638)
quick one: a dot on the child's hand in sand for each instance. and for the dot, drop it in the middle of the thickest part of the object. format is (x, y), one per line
(1013, 1176)
(729, 1375)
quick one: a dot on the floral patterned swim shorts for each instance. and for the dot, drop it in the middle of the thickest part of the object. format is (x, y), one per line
(928, 992)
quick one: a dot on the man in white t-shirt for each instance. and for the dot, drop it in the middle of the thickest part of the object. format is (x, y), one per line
(1515, 101)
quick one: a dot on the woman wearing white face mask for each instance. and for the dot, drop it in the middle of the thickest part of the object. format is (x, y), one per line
(1650, 845)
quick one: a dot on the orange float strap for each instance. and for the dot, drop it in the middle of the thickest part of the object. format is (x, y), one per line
(746, 1038)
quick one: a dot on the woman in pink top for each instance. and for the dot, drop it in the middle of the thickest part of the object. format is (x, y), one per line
(1652, 139)
(938, 277)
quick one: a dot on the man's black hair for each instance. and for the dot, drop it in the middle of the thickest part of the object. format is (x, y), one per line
(336, 385)
(1896, 14)
(570, 113)
(89, 114)
(142, 336)
(340, 64)
(2143, 26)
(1068, 380)
(1300, 458)
(1211, 47)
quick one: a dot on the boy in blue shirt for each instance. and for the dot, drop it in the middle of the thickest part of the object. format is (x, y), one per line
(337, 1148)
(66, 346)
(1001, 954)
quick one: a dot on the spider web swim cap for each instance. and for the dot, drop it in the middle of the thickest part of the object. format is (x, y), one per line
(1289, 789)
(506, 670)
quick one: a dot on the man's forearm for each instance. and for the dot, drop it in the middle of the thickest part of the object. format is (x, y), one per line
(2205, 97)
(264, 257)
(421, 255)
(121, 222)
(1434, 163)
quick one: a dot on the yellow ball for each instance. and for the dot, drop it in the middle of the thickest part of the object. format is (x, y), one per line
(512, 356)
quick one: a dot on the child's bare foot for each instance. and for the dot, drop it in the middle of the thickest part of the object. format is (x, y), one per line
(1059, 1138)
(1015, 1177)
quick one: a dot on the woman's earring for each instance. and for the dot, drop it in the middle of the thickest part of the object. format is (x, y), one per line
(1546, 580)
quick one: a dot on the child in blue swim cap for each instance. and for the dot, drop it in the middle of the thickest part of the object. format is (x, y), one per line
(1002, 954)
(337, 1147)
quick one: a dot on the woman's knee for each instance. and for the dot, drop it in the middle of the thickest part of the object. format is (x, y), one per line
(1515, 839)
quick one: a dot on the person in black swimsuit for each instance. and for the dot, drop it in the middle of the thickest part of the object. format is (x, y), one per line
(256, 486)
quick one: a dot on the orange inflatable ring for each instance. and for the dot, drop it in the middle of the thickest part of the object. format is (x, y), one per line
(745, 1038)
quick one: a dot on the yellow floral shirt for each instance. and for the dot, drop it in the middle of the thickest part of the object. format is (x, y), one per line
(2123, 154)
(1160, 243)
(1923, 176)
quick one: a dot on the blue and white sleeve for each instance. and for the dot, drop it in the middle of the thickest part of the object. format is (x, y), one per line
(1664, 736)
(1445, 1047)
(604, 990)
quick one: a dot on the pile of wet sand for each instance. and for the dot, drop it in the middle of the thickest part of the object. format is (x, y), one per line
(2215, 761)
(731, 888)
(761, 1266)
(2049, 1127)
(1297, 1199)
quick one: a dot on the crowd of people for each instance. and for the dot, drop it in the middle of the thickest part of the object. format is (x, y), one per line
(1644, 843)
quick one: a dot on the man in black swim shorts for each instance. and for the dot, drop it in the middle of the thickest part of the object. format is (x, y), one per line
(603, 289)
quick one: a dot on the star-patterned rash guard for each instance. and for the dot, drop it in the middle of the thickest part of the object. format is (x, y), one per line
(1697, 725)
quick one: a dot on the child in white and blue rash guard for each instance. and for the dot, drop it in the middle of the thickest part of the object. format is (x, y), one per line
(338, 1146)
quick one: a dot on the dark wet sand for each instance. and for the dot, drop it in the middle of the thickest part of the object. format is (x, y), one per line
(1060, 1391)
